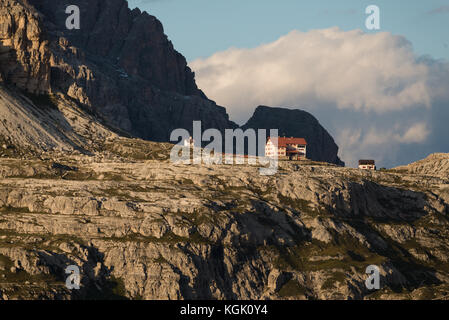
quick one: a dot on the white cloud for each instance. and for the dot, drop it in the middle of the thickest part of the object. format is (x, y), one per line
(417, 133)
(378, 143)
(353, 70)
(345, 78)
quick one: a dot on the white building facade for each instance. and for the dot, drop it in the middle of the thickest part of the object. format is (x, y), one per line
(292, 148)
(367, 164)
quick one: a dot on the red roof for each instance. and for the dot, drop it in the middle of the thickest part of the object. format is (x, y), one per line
(283, 142)
(367, 162)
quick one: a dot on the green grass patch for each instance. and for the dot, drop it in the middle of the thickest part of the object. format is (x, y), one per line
(291, 289)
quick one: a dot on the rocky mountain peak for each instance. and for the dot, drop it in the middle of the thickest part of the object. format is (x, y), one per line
(298, 123)
(128, 39)
(120, 65)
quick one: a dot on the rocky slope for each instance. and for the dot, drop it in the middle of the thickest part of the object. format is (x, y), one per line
(435, 164)
(30, 124)
(153, 229)
(298, 123)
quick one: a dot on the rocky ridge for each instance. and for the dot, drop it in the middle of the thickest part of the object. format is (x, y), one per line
(435, 164)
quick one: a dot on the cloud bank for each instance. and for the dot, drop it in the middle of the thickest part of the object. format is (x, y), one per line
(369, 90)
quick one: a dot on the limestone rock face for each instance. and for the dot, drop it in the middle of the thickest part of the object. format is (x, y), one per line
(24, 52)
(153, 229)
(298, 123)
(119, 65)
(129, 40)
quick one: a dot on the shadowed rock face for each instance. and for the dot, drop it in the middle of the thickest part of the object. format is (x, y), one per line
(130, 40)
(298, 123)
(120, 64)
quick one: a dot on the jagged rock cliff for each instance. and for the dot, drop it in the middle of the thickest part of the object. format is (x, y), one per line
(119, 65)
(298, 123)
(24, 53)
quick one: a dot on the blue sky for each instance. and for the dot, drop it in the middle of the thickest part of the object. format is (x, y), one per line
(199, 28)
